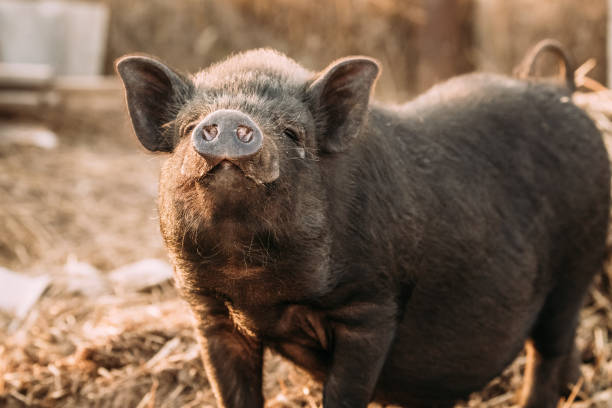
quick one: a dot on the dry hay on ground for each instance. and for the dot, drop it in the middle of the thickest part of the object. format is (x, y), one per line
(93, 198)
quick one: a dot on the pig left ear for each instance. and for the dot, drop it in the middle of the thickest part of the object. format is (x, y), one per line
(340, 98)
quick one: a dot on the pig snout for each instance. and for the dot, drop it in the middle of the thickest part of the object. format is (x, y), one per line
(226, 135)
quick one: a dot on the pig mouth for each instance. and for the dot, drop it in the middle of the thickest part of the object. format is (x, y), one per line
(225, 173)
(223, 165)
(258, 171)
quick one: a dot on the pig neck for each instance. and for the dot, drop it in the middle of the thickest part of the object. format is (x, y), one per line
(253, 262)
(373, 213)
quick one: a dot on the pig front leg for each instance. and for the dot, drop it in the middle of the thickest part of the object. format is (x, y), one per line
(362, 337)
(233, 361)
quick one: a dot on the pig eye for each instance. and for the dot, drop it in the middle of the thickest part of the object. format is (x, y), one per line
(189, 128)
(292, 134)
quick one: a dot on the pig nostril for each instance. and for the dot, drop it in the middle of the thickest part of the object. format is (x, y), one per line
(210, 132)
(244, 133)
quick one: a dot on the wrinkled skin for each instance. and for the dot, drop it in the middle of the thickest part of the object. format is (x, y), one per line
(400, 254)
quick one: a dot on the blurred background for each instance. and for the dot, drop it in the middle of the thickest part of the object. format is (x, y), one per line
(88, 314)
(418, 42)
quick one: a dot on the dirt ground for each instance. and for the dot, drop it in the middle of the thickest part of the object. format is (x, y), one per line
(92, 199)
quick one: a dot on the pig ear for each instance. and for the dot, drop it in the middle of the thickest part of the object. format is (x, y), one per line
(154, 94)
(340, 98)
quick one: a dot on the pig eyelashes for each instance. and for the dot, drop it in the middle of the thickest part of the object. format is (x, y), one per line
(188, 128)
(292, 134)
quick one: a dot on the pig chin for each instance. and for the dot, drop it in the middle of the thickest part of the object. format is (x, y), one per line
(230, 175)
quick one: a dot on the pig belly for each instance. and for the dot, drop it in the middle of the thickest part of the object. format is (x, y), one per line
(443, 352)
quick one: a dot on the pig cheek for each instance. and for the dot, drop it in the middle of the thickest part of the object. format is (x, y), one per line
(188, 163)
(265, 168)
(184, 211)
(180, 194)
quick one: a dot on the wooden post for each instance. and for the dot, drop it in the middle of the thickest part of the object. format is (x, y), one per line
(609, 43)
(444, 39)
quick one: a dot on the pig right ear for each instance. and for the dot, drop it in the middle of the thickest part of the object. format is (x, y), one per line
(154, 93)
(340, 97)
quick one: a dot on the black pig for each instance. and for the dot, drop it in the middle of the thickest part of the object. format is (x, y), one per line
(402, 254)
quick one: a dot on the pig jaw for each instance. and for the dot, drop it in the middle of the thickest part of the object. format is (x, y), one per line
(209, 191)
(270, 237)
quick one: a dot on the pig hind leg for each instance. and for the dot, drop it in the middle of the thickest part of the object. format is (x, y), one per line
(547, 378)
(553, 361)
